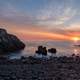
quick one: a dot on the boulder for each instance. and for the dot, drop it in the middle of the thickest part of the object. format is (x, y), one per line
(41, 50)
(9, 42)
(52, 50)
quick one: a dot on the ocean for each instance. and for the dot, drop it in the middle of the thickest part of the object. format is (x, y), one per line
(64, 48)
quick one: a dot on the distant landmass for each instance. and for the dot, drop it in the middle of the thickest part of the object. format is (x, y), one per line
(9, 42)
(77, 45)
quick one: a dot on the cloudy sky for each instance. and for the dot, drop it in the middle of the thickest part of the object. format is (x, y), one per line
(41, 19)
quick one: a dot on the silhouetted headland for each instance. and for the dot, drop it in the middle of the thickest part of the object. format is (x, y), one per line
(9, 42)
(77, 45)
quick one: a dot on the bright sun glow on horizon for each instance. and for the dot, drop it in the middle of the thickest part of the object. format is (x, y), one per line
(75, 39)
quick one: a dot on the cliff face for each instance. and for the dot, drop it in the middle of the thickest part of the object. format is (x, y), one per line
(9, 42)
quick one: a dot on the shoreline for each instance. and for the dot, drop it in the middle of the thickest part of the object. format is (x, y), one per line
(30, 68)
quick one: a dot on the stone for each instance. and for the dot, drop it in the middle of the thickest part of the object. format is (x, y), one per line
(42, 50)
(9, 42)
(52, 50)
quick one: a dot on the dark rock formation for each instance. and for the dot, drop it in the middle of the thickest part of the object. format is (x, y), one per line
(9, 42)
(52, 50)
(41, 50)
(76, 45)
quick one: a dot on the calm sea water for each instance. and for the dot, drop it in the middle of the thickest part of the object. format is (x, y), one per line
(63, 48)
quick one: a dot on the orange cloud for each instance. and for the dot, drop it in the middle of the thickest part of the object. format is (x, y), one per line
(31, 34)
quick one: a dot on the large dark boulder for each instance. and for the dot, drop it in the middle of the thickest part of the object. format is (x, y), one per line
(9, 42)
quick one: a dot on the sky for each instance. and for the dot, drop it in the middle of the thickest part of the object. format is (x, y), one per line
(41, 19)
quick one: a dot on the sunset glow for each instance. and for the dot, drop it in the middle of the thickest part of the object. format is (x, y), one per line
(35, 21)
(76, 39)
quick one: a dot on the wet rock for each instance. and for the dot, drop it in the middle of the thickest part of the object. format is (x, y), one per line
(9, 42)
(52, 50)
(41, 50)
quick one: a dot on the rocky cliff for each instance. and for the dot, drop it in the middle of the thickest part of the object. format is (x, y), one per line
(9, 42)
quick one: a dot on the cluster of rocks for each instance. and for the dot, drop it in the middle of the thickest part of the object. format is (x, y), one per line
(30, 68)
(43, 51)
(9, 42)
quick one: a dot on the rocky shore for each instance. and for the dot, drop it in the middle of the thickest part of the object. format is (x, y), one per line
(30, 68)
(35, 68)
